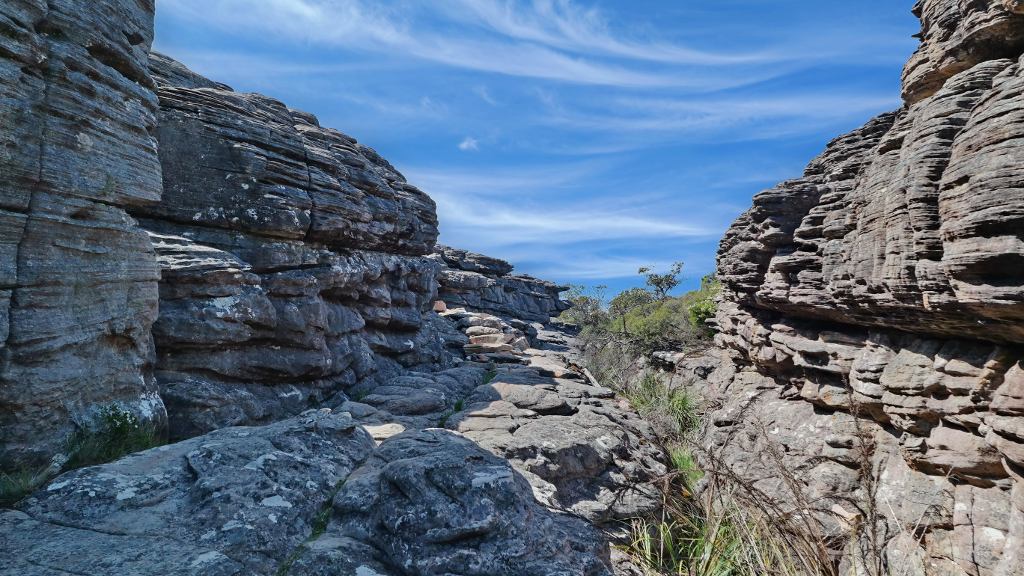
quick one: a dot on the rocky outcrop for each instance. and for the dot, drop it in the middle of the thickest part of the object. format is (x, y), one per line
(872, 323)
(485, 284)
(236, 501)
(78, 278)
(291, 258)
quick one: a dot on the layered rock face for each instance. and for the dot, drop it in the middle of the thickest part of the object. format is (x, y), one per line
(78, 278)
(291, 255)
(873, 315)
(485, 284)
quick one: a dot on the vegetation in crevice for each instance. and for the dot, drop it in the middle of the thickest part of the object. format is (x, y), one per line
(713, 523)
(320, 523)
(116, 433)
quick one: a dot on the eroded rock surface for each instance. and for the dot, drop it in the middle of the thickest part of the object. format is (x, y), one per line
(78, 278)
(872, 325)
(291, 258)
(236, 501)
(485, 284)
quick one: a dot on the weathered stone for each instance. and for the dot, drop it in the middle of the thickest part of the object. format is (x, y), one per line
(878, 298)
(238, 500)
(474, 515)
(77, 276)
(290, 257)
(484, 284)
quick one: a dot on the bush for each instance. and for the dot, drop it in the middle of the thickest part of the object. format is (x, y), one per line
(723, 537)
(118, 433)
(587, 307)
(671, 410)
(16, 485)
(645, 323)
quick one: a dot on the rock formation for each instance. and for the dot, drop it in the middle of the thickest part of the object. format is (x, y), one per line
(78, 278)
(485, 284)
(291, 255)
(872, 323)
(267, 291)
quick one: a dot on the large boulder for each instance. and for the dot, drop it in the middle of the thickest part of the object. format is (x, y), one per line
(433, 503)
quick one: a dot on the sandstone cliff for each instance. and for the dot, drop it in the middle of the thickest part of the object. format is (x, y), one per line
(872, 324)
(78, 278)
(292, 259)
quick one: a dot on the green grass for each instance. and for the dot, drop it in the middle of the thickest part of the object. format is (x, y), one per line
(722, 538)
(459, 405)
(672, 410)
(15, 486)
(118, 433)
(490, 376)
(685, 465)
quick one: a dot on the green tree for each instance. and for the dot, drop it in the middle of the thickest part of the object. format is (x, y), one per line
(587, 305)
(627, 301)
(662, 284)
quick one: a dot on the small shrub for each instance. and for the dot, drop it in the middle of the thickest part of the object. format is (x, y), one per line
(672, 410)
(587, 306)
(723, 537)
(118, 433)
(662, 284)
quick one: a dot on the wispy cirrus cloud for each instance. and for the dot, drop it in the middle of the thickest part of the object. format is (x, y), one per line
(545, 39)
(578, 138)
(497, 211)
(566, 25)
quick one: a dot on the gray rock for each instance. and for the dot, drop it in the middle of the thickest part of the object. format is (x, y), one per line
(290, 256)
(240, 499)
(77, 276)
(434, 503)
(40, 549)
(484, 284)
(870, 329)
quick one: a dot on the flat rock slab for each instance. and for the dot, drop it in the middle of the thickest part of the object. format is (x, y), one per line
(239, 497)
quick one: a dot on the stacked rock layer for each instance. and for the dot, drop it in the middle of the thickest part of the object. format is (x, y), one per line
(872, 322)
(292, 259)
(78, 278)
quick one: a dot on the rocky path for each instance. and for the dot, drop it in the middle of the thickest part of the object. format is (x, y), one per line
(510, 463)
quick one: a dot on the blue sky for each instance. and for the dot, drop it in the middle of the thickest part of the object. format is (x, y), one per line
(577, 139)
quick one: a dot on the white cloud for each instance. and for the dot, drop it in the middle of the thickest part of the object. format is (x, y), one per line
(638, 123)
(489, 209)
(565, 25)
(545, 40)
(485, 95)
(469, 144)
